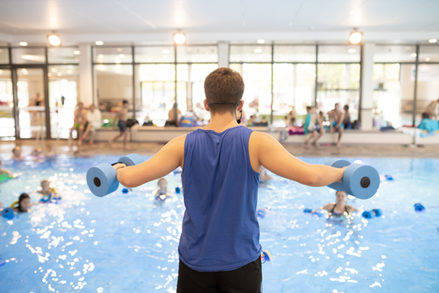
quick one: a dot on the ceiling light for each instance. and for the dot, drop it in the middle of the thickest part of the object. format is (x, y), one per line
(179, 38)
(260, 41)
(76, 52)
(427, 59)
(99, 43)
(355, 37)
(352, 51)
(413, 55)
(432, 41)
(257, 50)
(23, 44)
(54, 39)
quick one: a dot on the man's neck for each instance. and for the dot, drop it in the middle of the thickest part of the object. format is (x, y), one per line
(221, 122)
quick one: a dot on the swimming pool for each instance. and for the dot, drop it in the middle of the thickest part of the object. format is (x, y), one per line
(128, 242)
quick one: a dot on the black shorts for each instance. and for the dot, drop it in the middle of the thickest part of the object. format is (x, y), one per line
(122, 126)
(246, 279)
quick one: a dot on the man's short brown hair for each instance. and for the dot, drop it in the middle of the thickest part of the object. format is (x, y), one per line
(223, 88)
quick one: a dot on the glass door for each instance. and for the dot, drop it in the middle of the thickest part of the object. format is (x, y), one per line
(7, 122)
(31, 102)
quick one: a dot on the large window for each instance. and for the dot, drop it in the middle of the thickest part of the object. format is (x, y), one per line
(394, 77)
(254, 63)
(28, 56)
(4, 55)
(7, 124)
(63, 97)
(428, 88)
(338, 78)
(293, 87)
(113, 85)
(294, 74)
(194, 64)
(161, 81)
(157, 92)
(113, 76)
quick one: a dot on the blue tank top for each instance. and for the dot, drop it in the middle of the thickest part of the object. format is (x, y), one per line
(220, 231)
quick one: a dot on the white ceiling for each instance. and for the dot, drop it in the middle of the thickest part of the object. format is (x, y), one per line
(212, 20)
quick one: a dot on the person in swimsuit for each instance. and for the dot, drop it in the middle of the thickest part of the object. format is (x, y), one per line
(48, 194)
(23, 204)
(79, 120)
(121, 116)
(336, 117)
(314, 126)
(339, 208)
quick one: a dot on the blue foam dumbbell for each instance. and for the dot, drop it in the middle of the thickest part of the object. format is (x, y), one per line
(361, 181)
(8, 213)
(419, 207)
(375, 213)
(102, 179)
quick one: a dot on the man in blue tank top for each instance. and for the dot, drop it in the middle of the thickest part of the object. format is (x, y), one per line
(219, 245)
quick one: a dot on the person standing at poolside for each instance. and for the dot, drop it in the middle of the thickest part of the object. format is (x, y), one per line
(219, 248)
(313, 125)
(121, 117)
(336, 117)
(79, 119)
(94, 123)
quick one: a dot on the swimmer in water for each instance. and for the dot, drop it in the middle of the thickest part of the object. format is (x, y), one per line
(16, 153)
(339, 208)
(23, 204)
(162, 191)
(48, 193)
(4, 171)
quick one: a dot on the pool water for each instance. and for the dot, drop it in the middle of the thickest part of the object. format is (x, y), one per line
(128, 242)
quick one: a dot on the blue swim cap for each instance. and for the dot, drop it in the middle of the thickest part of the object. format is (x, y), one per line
(124, 190)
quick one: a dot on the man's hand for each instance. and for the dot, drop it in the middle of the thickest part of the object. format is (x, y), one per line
(119, 166)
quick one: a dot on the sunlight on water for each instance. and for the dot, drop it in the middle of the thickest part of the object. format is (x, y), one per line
(123, 242)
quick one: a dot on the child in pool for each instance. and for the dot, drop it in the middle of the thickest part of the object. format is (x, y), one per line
(23, 204)
(48, 193)
(4, 172)
(16, 153)
(162, 191)
(339, 208)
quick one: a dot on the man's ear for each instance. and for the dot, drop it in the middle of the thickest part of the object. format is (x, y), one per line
(206, 106)
(241, 104)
